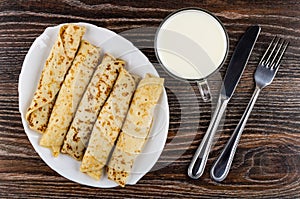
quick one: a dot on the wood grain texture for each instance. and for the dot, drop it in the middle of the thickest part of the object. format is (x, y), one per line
(267, 162)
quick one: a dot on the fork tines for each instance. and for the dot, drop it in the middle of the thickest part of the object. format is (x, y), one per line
(279, 46)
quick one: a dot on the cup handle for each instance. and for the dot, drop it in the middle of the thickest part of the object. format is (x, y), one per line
(204, 90)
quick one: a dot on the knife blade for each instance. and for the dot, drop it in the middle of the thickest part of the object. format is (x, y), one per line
(232, 77)
(239, 60)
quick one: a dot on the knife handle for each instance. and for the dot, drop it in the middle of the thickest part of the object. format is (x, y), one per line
(199, 160)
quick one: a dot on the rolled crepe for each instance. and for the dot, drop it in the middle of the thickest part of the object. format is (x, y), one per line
(135, 130)
(88, 110)
(108, 125)
(57, 64)
(69, 96)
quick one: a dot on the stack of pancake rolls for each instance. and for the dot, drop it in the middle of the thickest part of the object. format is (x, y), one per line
(90, 107)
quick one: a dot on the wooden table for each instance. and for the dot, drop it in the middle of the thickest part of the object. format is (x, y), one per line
(267, 162)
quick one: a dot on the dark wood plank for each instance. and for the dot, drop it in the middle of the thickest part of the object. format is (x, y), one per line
(268, 157)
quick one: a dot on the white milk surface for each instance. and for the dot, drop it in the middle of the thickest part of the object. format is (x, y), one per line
(191, 44)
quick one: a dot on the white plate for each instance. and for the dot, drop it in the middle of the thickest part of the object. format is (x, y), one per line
(137, 63)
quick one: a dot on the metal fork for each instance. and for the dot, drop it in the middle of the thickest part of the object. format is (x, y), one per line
(264, 75)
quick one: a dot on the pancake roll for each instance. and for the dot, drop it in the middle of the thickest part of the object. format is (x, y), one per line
(57, 64)
(108, 125)
(92, 101)
(70, 95)
(135, 130)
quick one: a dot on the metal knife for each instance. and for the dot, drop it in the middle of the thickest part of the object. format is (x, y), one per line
(233, 74)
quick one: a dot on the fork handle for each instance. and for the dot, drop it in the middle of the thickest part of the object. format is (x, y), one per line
(221, 167)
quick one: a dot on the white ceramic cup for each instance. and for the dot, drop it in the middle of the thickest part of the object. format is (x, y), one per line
(191, 44)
